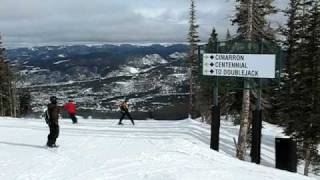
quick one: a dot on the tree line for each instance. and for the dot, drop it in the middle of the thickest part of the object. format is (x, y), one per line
(13, 102)
(293, 101)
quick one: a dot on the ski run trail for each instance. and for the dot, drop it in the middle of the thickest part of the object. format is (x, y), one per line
(151, 150)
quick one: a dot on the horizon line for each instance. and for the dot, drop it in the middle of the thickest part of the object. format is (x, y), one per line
(87, 43)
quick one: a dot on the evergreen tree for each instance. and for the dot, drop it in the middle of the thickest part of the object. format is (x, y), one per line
(298, 97)
(212, 45)
(252, 27)
(251, 19)
(302, 113)
(228, 42)
(228, 35)
(193, 40)
(3, 95)
(7, 87)
(205, 92)
(292, 32)
(24, 102)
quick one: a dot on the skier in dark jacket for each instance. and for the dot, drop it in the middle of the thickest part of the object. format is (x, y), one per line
(71, 108)
(124, 107)
(53, 117)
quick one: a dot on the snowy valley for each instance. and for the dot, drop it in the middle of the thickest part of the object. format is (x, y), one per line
(98, 77)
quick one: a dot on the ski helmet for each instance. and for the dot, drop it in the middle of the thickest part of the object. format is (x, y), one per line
(53, 99)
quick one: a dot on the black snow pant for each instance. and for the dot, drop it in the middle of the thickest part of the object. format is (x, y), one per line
(53, 135)
(124, 113)
(73, 118)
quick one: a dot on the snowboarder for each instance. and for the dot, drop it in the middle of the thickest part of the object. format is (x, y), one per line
(53, 112)
(71, 108)
(124, 107)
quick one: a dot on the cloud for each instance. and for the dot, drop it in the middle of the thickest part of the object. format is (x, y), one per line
(62, 21)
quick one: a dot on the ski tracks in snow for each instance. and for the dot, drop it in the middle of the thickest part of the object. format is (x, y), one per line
(101, 149)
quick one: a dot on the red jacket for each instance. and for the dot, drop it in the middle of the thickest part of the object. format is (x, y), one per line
(70, 107)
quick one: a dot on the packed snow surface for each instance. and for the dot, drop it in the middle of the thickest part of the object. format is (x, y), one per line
(100, 149)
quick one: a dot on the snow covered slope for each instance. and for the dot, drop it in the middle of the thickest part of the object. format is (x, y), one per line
(100, 149)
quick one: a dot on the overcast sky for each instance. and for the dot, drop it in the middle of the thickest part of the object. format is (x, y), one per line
(25, 22)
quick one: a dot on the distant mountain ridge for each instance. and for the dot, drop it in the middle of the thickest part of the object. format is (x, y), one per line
(154, 77)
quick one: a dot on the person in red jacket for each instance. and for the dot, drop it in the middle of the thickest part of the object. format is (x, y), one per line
(71, 108)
